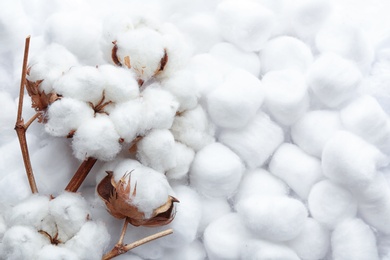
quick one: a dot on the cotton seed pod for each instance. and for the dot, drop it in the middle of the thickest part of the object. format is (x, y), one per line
(119, 200)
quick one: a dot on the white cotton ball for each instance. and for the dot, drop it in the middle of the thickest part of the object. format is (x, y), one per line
(225, 237)
(193, 129)
(246, 24)
(313, 242)
(366, 118)
(349, 160)
(260, 249)
(298, 169)
(8, 119)
(184, 157)
(157, 150)
(314, 129)
(193, 251)
(234, 103)
(52, 252)
(212, 209)
(333, 79)
(285, 52)
(66, 115)
(256, 142)
(216, 171)
(96, 138)
(353, 239)
(230, 54)
(276, 218)
(286, 95)
(329, 203)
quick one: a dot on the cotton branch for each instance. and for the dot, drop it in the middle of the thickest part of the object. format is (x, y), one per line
(80, 175)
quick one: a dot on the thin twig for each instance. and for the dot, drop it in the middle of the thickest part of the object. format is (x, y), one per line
(80, 175)
(32, 119)
(23, 78)
(120, 241)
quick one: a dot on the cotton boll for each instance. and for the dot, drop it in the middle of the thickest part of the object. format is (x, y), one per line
(353, 239)
(216, 171)
(260, 249)
(96, 138)
(256, 142)
(313, 242)
(246, 24)
(193, 251)
(298, 169)
(333, 79)
(230, 54)
(236, 101)
(349, 160)
(312, 131)
(330, 203)
(184, 157)
(52, 252)
(212, 209)
(286, 95)
(278, 218)
(225, 237)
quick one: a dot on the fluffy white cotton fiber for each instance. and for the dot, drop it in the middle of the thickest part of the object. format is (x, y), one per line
(192, 251)
(52, 252)
(261, 249)
(212, 208)
(183, 156)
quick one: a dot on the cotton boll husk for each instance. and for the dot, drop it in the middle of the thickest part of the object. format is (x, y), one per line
(286, 95)
(330, 203)
(353, 239)
(7, 118)
(193, 129)
(193, 251)
(285, 52)
(212, 209)
(184, 157)
(52, 252)
(366, 118)
(230, 54)
(261, 249)
(216, 171)
(96, 138)
(256, 142)
(312, 131)
(275, 218)
(349, 160)
(225, 237)
(333, 79)
(246, 24)
(234, 103)
(298, 169)
(313, 242)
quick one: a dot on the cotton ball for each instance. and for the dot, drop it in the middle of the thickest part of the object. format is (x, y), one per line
(285, 52)
(157, 150)
(193, 129)
(52, 252)
(298, 169)
(193, 251)
(330, 203)
(353, 239)
(313, 242)
(246, 24)
(212, 209)
(286, 95)
(312, 131)
(256, 142)
(236, 101)
(333, 79)
(96, 138)
(225, 237)
(276, 218)
(349, 160)
(260, 249)
(230, 54)
(184, 157)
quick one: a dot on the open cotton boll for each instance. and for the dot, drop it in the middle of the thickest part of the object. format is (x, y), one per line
(246, 24)
(275, 218)
(193, 251)
(157, 150)
(349, 160)
(330, 203)
(52, 252)
(285, 52)
(260, 249)
(313, 242)
(286, 95)
(216, 171)
(230, 54)
(256, 142)
(212, 209)
(234, 103)
(96, 138)
(366, 118)
(312, 131)
(184, 157)
(333, 80)
(353, 239)
(193, 128)
(298, 169)
(225, 237)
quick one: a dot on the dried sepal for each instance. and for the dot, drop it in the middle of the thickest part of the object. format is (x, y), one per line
(164, 61)
(114, 55)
